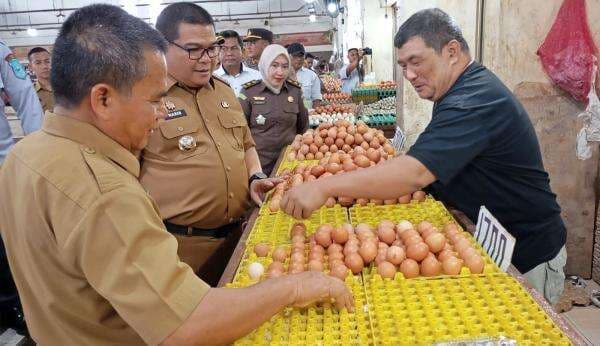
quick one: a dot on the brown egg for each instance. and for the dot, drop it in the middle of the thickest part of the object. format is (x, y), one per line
(339, 143)
(318, 155)
(340, 271)
(317, 248)
(316, 256)
(404, 225)
(280, 254)
(451, 227)
(332, 133)
(436, 242)
(317, 171)
(381, 257)
(368, 251)
(409, 233)
(339, 235)
(274, 273)
(373, 155)
(475, 264)
(315, 265)
(333, 167)
(431, 266)
(298, 238)
(375, 144)
(413, 240)
(398, 242)
(298, 247)
(348, 166)
(262, 249)
(462, 244)
(445, 254)
(362, 161)
(354, 262)
(410, 268)
(452, 266)
(330, 202)
(358, 151)
(365, 145)
(334, 148)
(345, 201)
(426, 233)
(386, 234)
(468, 252)
(297, 257)
(368, 136)
(276, 265)
(386, 269)
(417, 251)
(350, 248)
(419, 196)
(362, 201)
(395, 255)
(336, 256)
(333, 248)
(349, 139)
(382, 246)
(389, 201)
(422, 226)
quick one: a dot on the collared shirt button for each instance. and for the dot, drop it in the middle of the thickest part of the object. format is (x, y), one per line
(228, 168)
(231, 195)
(218, 144)
(180, 129)
(90, 150)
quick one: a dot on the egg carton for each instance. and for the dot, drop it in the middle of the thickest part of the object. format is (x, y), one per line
(317, 325)
(423, 312)
(429, 210)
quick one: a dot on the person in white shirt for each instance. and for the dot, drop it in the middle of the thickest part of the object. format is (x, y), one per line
(311, 84)
(352, 73)
(232, 69)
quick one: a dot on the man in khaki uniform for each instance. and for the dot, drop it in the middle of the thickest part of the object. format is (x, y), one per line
(202, 163)
(91, 258)
(39, 63)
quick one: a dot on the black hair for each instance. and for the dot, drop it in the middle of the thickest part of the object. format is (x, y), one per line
(36, 50)
(351, 49)
(232, 34)
(434, 26)
(181, 12)
(308, 55)
(100, 44)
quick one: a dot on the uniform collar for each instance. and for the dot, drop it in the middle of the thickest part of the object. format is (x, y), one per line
(223, 72)
(38, 86)
(264, 86)
(91, 137)
(171, 81)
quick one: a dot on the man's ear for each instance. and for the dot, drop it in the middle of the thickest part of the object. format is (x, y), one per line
(102, 100)
(452, 50)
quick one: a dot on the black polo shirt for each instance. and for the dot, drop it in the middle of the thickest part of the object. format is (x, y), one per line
(483, 150)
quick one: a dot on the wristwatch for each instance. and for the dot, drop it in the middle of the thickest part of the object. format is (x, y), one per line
(256, 176)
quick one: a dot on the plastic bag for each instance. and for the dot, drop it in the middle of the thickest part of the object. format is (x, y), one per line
(568, 52)
(590, 132)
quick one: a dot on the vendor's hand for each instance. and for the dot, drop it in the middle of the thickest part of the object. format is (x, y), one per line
(4, 96)
(259, 187)
(312, 287)
(302, 200)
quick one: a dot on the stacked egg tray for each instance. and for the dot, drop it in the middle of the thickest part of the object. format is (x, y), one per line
(415, 212)
(317, 325)
(422, 312)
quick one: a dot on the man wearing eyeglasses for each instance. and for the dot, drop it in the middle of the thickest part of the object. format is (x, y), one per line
(256, 40)
(201, 165)
(232, 69)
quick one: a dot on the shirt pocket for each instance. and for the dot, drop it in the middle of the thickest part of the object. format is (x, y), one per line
(172, 132)
(289, 116)
(233, 124)
(263, 111)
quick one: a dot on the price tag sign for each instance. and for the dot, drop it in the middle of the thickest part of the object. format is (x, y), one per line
(399, 140)
(494, 239)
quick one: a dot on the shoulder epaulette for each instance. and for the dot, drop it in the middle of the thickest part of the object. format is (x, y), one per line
(251, 83)
(221, 80)
(294, 83)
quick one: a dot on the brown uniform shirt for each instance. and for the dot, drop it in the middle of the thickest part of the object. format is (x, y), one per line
(91, 259)
(274, 120)
(46, 97)
(207, 186)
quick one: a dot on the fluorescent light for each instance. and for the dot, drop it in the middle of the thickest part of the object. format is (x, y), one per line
(309, 1)
(312, 18)
(130, 7)
(154, 10)
(32, 32)
(332, 7)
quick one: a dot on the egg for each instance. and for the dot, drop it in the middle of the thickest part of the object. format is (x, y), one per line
(255, 270)
(419, 196)
(316, 256)
(334, 248)
(350, 248)
(422, 226)
(462, 244)
(298, 238)
(323, 238)
(336, 255)
(382, 246)
(362, 161)
(475, 264)
(298, 247)
(451, 227)
(368, 251)
(431, 266)
(451, 265)
(417, 251)
(330, 202)
(317, 249)
(348, 166)
(295, 268)
(276, 265)
(444, 254)
(415, 239)
(468, 252)
(404, 225)
(354, 262)
(373, 155)
(398, 242)
(386, 269)
(339, 235)
(280, 254)
(261, 249)
(436, 242)
(409, 233)
(381, 256)
(346, 201)
(315, 265)
(317, 171)
(386, 234)
(409, 268)
(395, 255)
(339, 271)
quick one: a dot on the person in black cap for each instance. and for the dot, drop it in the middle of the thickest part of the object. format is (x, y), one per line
(256, 40)
(311, 84)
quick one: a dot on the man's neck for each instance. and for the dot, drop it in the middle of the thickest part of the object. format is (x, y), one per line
(45, 83)
(233, 70)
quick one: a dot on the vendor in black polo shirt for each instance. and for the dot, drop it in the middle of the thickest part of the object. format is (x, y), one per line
(480, 148)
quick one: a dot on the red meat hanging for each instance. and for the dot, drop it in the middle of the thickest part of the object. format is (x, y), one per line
(568, 52)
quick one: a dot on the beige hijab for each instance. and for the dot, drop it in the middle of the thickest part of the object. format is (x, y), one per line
(266, 58)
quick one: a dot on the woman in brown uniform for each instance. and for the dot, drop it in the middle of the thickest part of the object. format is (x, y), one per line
(273, 107)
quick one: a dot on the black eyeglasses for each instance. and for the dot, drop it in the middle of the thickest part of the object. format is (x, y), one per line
(198, 53)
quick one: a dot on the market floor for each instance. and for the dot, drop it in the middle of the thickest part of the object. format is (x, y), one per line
(586, 320)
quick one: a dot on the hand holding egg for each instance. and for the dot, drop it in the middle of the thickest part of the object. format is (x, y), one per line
(312, 287)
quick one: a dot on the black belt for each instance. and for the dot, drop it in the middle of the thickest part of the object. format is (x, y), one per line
(219, 232)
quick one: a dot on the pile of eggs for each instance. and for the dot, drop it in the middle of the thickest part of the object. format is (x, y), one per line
(337, 97)
(414, 251)
(331, 84)
(340, 136)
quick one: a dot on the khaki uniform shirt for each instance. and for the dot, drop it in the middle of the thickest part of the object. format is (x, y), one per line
(274, 120)
(206, 186)
(91, 259)
(46, 97)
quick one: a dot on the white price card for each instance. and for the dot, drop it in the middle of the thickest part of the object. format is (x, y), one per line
(494, 239)
(399, 140)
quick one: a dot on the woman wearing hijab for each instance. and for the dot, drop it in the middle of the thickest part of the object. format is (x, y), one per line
(273, 106)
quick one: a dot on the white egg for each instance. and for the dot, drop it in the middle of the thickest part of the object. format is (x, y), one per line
(255, 270)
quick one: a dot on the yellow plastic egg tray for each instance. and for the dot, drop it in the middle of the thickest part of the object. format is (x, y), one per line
(421, 312)
(317, 325)
(293, 164)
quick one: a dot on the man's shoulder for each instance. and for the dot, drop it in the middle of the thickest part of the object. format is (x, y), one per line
(220, 79)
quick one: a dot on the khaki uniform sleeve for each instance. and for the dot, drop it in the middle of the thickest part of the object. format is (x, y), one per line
(131, 260)
(302, 122)
(247, 109)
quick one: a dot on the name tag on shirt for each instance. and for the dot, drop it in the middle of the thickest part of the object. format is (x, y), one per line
(176, 114)
(494, 239)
